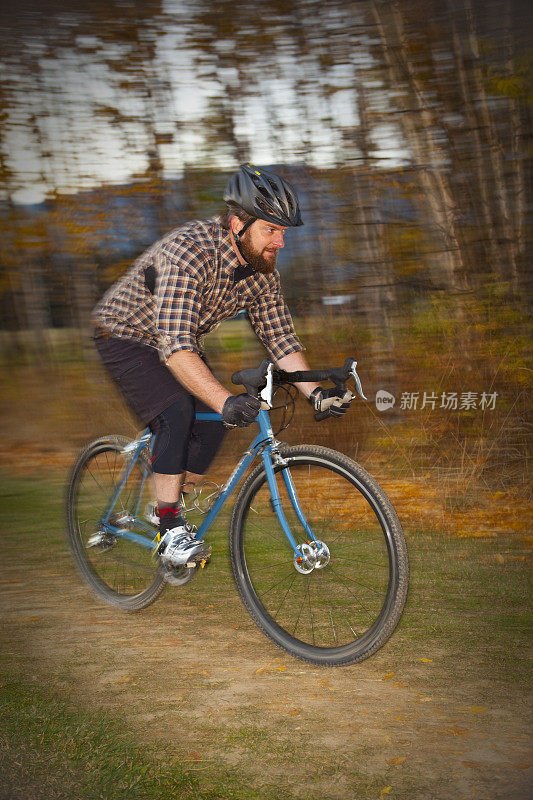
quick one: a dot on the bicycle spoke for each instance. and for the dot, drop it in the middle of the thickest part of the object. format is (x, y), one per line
(341, 610)
(311, 618)
(357, 581)
(285, 596)
(289, 576)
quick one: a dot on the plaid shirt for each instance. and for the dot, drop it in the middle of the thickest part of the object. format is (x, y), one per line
(193, 291)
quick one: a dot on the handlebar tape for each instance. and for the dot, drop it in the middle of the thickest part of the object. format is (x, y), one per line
(255, 378)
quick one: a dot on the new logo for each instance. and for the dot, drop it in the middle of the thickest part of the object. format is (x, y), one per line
(384, 400)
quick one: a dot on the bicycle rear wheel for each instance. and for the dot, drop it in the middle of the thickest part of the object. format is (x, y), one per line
(121, 572)
(346, 608)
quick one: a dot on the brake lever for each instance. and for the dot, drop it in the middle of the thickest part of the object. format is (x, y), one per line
(348, 371)
(265, 395)
(350, 366)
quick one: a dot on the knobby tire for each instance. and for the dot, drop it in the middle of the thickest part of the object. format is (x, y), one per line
(344, 612)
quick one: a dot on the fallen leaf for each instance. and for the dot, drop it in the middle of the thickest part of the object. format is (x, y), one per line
(388, 676)
(478, 709)
(398, 760)
(384, 791)
(457, 731)
(427, 660)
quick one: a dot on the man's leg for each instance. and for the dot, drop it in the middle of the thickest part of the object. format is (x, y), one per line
(191, 481)
(172, 431)
(204, 443)
(168, 487)
(160, 401)
(168, 493)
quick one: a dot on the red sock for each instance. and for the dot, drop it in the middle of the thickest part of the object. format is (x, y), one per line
(169, 515)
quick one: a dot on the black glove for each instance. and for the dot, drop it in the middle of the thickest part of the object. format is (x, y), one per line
(240, 410)
(335, 402)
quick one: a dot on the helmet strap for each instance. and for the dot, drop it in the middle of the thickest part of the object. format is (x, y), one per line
(237, 236)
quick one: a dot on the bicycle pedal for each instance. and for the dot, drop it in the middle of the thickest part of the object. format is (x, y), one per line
(199, 563)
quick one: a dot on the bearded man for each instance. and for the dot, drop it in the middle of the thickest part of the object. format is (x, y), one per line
(150, 325)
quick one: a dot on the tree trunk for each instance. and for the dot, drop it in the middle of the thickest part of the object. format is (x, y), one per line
(418, 123)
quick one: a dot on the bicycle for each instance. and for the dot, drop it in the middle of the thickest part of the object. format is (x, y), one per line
(316, 547)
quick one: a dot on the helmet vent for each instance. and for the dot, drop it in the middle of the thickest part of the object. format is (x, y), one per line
(264, 206)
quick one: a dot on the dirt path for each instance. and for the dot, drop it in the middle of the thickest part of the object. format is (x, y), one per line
(207, 681)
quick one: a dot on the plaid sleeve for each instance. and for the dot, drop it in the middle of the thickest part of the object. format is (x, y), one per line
(178, 298)
(272, 322)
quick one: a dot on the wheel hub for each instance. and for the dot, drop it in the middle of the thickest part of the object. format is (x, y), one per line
(102, 540)
(313, 555)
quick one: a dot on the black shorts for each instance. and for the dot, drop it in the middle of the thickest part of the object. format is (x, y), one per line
(181, 443)
(148, 386)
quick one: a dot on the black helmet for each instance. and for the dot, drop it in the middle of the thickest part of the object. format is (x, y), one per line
(264, 195)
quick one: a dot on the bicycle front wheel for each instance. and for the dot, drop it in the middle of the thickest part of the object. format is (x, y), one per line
(346, 606)
(121, 572)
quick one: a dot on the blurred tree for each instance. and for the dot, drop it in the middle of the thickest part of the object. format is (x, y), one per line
(424, 137)
(404, 124)
(448, 82)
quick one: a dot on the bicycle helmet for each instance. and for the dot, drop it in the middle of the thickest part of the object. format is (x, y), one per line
(264, 195)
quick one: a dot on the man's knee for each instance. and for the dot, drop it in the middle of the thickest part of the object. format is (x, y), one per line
(204, 444)
(172, 430)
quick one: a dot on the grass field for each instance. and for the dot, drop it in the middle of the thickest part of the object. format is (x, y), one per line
(188, 699)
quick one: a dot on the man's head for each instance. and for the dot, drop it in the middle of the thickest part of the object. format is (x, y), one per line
(261, 206)
(259, 244)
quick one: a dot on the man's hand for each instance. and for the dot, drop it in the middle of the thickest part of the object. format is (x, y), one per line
(334, 402)
(240, 410)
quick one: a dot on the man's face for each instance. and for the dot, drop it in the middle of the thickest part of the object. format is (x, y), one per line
(260, 244)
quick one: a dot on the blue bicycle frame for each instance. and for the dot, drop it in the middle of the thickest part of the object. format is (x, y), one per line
(263, 443)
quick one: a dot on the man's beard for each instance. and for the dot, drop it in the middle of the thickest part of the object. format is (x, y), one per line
(256, 260)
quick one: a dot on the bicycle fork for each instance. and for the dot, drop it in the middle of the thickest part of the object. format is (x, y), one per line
(313, 553)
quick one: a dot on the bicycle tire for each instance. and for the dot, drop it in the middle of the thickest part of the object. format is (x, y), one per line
(341, 613)
(123, 574)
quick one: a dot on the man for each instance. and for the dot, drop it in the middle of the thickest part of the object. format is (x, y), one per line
(150, 324)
